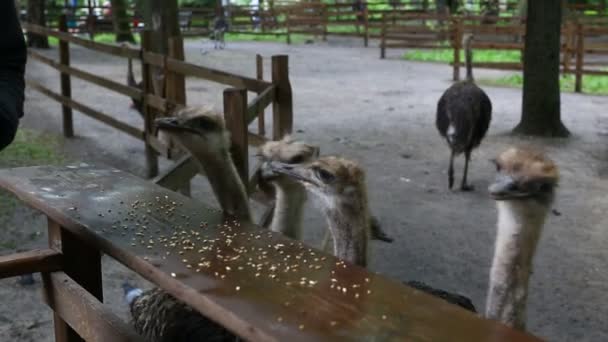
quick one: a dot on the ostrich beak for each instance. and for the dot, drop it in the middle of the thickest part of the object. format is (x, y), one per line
(266, 172)
(294, 171)
(505, 188)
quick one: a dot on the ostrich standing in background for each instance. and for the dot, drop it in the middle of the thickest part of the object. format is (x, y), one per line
(524, 190)
(339, 185)
(464, 112)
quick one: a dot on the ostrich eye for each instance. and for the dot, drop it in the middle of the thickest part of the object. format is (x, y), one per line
(296, 160)
(325, 176)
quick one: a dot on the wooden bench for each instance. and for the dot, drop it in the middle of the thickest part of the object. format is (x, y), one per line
(256, 283)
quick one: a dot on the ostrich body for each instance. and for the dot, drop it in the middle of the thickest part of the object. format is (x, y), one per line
(290, 195)
(339, 185)
(202, 133)
(159, 317)
(523, 191)
(464, 112)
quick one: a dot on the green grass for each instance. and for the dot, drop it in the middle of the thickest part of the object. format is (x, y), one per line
(106, 38)
(270, 37)
(28, 149)
(447, 55)
(592, 84)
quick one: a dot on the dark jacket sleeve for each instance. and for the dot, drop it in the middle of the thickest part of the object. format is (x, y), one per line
(12, 68)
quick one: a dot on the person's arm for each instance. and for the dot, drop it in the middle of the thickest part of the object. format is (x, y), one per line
(12, 69)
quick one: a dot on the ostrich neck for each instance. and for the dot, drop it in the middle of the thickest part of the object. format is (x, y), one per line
(349, 227)
(519, 226)
(226, 183)
(468, 55)
(289, 205)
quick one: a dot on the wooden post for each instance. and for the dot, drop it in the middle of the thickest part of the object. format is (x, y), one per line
(91, 19)
(282, 107)
(176, 86)
(366, 28)
(82, 263)
(235, 116)
(325, 17)
(457, 36)
(287, 27)
(580, 55)
(383, 38)
(568, 46)
(66, 84)
(146, 74)
(259, 64)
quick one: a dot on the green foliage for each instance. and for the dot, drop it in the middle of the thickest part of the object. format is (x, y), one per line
(447, 55)
(592, 84)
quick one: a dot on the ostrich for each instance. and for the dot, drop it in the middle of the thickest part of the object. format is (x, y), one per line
(202, 133)
(524, 191)
(290, 195)
(339, 185)
(464, 112)
(157, 315)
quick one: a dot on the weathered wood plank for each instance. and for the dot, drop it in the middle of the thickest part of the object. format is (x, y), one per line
(122, 51)
(95, 114)
(92, 320)
(245, 278)
(98, 80)
(255, 109)
(39, 260)
(219, 76)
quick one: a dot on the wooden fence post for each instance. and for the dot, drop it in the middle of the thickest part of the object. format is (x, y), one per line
(282, 107)
(86, 274)
(569, 36)
(235, 116)
(457, 42)
(176, 86)
(325, 16)
(66, 83)
(146, 74)
(287, 27)
(580, 55)
(259, 67)
(383, 38)
(366, 27)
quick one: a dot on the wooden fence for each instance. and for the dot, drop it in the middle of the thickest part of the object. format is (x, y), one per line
(580, 40)
(238, 112)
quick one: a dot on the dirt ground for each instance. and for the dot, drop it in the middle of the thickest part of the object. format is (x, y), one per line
(381, 113)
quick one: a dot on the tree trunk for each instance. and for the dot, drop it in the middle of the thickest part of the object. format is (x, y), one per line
(541, 94)
(35, 15)
(121, 22)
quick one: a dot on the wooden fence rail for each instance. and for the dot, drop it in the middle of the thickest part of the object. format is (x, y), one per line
(238, 115)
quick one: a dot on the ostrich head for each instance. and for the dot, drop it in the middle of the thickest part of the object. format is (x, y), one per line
(524, 174)
(198, 130)
(337, 182)
(286, 151)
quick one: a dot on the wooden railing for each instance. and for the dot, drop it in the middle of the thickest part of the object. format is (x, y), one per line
(238, 112)
(254, 282)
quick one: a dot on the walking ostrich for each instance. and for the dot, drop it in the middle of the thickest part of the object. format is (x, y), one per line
(464, 112)
(524, 191)
(339, 185)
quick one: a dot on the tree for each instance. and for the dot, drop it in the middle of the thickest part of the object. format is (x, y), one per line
(541, 94)
(35, 15)
(121, 20)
